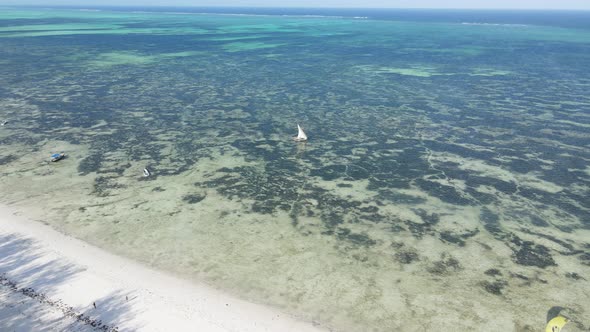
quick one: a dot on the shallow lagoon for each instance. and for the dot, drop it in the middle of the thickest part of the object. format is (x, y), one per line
(445, 182)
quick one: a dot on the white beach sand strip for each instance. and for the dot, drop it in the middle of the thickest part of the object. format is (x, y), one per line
(48, 278)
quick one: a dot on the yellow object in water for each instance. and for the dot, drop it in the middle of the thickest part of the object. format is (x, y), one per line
(556, 324)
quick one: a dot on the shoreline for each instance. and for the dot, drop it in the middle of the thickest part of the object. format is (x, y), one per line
(128, 296)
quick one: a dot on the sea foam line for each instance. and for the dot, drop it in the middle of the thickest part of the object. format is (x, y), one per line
(495, 24)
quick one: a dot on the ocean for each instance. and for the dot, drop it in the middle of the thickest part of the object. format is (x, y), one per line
(444, 184)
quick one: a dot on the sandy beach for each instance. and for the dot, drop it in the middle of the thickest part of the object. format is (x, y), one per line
(49, 281)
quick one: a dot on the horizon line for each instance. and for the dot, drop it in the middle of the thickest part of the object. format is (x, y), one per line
(297, 7)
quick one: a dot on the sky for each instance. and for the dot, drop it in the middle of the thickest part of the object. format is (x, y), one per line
(474, 4)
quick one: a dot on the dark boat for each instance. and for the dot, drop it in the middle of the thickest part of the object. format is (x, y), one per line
(57, 156)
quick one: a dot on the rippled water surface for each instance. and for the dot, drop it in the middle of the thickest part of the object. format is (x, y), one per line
(445, 183)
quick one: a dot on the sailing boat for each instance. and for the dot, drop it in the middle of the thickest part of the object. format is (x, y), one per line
(301, 137)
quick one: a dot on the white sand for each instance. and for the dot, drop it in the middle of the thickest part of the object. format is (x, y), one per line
(127, 295)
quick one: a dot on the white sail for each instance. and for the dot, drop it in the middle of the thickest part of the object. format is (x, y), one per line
(301, 134)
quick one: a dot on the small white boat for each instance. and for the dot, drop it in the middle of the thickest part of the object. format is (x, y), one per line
(301, 137)
(4, 123)
(146, 172)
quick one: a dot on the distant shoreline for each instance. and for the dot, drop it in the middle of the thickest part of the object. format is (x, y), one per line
(48, 271)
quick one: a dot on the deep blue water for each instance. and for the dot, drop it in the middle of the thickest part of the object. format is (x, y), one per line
(556, 18)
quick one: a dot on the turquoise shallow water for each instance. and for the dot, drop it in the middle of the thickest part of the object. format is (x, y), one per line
(444, 184)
